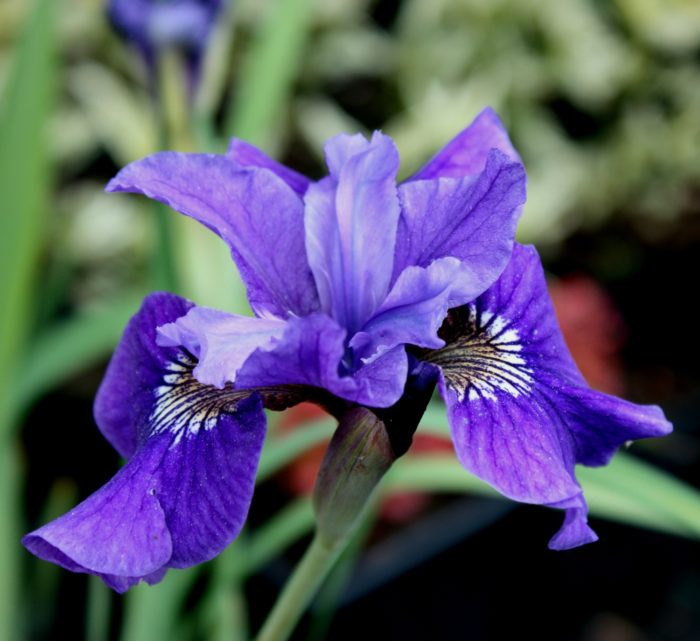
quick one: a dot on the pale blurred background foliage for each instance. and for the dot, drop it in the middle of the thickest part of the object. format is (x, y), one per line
(627, 69)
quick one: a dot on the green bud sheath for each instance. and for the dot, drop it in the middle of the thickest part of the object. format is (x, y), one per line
(358, 456)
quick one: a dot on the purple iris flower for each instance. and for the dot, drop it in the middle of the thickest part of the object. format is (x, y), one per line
(152, 25)
(361, 289)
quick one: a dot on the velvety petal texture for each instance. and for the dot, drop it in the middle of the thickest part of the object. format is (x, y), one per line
(414, 310)
(521, 414)
(472, 219)
(253, 210)
(125, 398)
(193, 452)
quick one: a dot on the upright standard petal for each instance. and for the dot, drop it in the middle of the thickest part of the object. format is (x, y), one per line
(246, 155)
(350, 221)
(253, 210)
(193, 452)
(466, 153)
(472, 219)
(312, 353)
(520, 412)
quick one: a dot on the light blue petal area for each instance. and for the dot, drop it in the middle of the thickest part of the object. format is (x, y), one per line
(312, 351)
(472, 219)
(520, 413)
(179, 501)
(244, 155)
(221, 342)
(341, 148)
(466, 153)
(414, 309)
(350, 222)
(258, 215)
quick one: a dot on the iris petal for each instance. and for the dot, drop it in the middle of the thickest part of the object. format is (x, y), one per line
(312, 352)
(193, 452)
(466, 153)
(219, 341)
(521, 414)
(136, 368)
(414, 309)
(472, 219)
(350, 222)
(244, 154)
(118, 533)
(253, 210)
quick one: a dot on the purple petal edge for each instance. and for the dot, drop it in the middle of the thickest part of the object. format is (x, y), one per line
(246, 155)
(465, 154)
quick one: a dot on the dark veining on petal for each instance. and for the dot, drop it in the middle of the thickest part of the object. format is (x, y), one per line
(184, 406)
(483, 355)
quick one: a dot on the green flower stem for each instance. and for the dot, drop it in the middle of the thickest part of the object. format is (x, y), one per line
(307, 578)
(174, 102)
(174, 132)
(357, 457)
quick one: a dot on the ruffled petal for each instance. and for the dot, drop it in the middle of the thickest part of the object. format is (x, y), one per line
(312, 353)
(472, 219)
(521, 415)
(219, 341)
(350, 221)
(253, 210)
(575, 530)
(185, 491)
(246, 155)
(466, 153)
(593, 413)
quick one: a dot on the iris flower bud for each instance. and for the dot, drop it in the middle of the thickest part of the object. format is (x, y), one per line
(359, 454)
